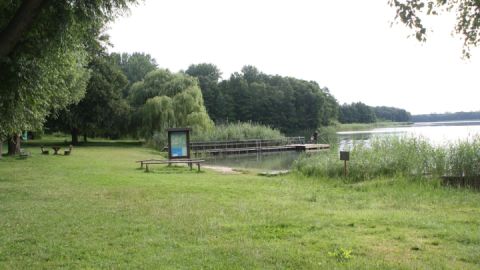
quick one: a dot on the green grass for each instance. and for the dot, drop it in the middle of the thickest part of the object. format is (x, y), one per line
(367, 126)
(392, 155)
(95, 209)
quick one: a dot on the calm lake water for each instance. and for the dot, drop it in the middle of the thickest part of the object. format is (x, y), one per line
(437, 132)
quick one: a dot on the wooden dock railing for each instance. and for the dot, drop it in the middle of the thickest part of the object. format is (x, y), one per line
(244, 146)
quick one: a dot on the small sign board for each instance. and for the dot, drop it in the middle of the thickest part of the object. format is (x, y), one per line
(178, 143)
(344, 155)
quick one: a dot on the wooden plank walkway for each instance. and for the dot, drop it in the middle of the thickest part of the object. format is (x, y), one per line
(310, 147)
(260, 149)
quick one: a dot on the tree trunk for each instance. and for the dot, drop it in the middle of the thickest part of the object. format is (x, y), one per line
(14, 145)
(19, 25)
(84, 137)
(74, 133)
(1, 149)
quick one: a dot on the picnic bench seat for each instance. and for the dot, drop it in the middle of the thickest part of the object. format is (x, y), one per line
(189, 162)
(68, 150)
(23, 153)
(44, 151)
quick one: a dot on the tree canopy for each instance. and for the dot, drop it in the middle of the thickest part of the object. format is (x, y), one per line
(413, 12)
(356, 113)
(285, 103)
(136, 65)
(164, 100)
(43, 56)
(103, 111)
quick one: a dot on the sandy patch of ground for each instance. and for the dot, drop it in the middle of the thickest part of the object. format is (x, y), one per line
(221, 169)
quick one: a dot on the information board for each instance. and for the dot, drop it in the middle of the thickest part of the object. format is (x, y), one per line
(179, 143)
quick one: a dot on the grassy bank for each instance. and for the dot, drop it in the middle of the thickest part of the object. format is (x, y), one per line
(367, 126)
(96, 209)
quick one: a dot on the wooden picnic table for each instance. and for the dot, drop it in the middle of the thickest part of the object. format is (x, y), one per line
(55, 149)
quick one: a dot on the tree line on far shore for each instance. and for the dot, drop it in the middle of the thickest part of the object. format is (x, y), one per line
(128, 95)
(359, 112)
(436, 117)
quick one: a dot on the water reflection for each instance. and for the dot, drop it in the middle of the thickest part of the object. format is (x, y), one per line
(261, 161)
(438, 133)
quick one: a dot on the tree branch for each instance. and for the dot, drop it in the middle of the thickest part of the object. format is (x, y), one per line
(19, 25)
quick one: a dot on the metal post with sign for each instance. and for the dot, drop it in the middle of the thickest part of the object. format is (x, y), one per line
(179, 143)
(345, 156)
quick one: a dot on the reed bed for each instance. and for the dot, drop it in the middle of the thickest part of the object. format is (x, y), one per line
(239, 131)
(224, 132)
(398, 156)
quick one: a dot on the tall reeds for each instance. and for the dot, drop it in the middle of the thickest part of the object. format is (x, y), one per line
(224, 132)
(394, 156)
(238, 131)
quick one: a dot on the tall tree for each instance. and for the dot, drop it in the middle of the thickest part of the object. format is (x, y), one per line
(164, 99)
(43, 57)
(208, 76)
(102, 111)
(136, 65)
(285, 103)
(356, 113)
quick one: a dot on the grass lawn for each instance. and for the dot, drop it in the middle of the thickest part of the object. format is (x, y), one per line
(96, 209)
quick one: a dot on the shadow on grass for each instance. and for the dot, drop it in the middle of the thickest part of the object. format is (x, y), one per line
(172, 169)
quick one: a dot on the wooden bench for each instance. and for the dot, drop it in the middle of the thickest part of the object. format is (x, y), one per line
(68, 150)
(189, 162)
(23, 153)
(147, 160)
(44, 152)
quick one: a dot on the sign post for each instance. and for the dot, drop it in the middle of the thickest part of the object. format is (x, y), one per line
(179, 143)
(345, 156)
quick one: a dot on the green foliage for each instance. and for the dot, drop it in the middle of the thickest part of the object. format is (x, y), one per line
(166, 100)
(221, 132)
(208, 76)
(103, 111)
(238, 131)
(436, 117)
(398, 156)
(388, 156)
(285, 103)
(383, 113)
(28, 97)
(160, 82)
(135, 66)
(463, 158)
(327, 135)
(412, 12)
(46, 69)
(366, 126)
(356, 113)
(157, 115)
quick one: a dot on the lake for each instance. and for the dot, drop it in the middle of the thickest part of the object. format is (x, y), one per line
(437, 133)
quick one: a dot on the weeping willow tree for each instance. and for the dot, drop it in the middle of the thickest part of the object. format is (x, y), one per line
(165, 100)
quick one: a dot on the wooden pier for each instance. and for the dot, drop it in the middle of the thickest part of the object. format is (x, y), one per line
(255, 146)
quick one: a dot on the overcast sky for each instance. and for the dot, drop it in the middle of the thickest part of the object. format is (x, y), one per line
(348, 46)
